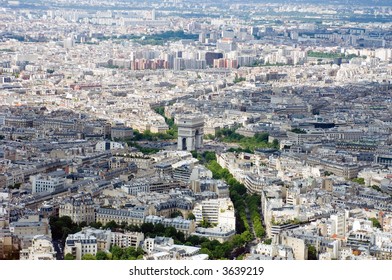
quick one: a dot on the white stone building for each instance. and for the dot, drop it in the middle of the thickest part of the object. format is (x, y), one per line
(41, 249)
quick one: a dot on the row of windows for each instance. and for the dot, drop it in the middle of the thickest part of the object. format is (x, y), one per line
(89, 251)
(138, 221)
(118, 217)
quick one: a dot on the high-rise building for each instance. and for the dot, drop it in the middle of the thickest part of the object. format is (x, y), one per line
(202, 37)
(338, 225)
(69, 43)
(210, 56)
(254, 30)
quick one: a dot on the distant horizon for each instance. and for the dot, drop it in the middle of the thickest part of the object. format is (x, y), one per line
(369, 3)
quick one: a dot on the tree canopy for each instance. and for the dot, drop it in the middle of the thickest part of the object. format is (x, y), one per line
(88, 257)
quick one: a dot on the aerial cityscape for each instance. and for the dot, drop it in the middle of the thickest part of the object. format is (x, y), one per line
(196, 130)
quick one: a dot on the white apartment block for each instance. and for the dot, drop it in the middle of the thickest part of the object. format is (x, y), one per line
(42, 183)
(79, 244)
(102, 146)
(163, 248)
(127, 239)
(338, 225)
(216, 211)
(41, 249)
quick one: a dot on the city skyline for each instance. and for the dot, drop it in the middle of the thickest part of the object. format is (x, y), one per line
(195, 130)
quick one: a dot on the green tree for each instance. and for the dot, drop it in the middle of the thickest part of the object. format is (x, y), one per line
(111, 225)
(238, 79)
(69, 257)
(248, 144)
(83, 224)
(191, 216)
(377, 188)
(16, 186)
(268, 241)
(375, 223)
(237, 240)
(101, 255)
(312, 252)
(123, 224)
(176, 214)
(275, 142)
(209, 156)
(147, 227)
(360, 181)
(66, 232)
(129, 253)
(205, 223)
(134, 228)
(62, 226)
(180, 236)
(160, 110)
(194, 154)
(170, 232)
(88, 257)
(247, 236)
(205, 251)
(116, 252)
(159, 229)
(262, 137)
(96, 225)
(194, 240)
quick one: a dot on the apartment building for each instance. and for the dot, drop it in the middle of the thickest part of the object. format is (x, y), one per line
(80, 208)
(216, 211)
(127, 239)
(79, 244)
(131, 216)
(50, 182)
(41, 249)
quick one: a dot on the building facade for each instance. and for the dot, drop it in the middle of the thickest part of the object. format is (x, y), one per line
(80, 208)
(41, 249)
